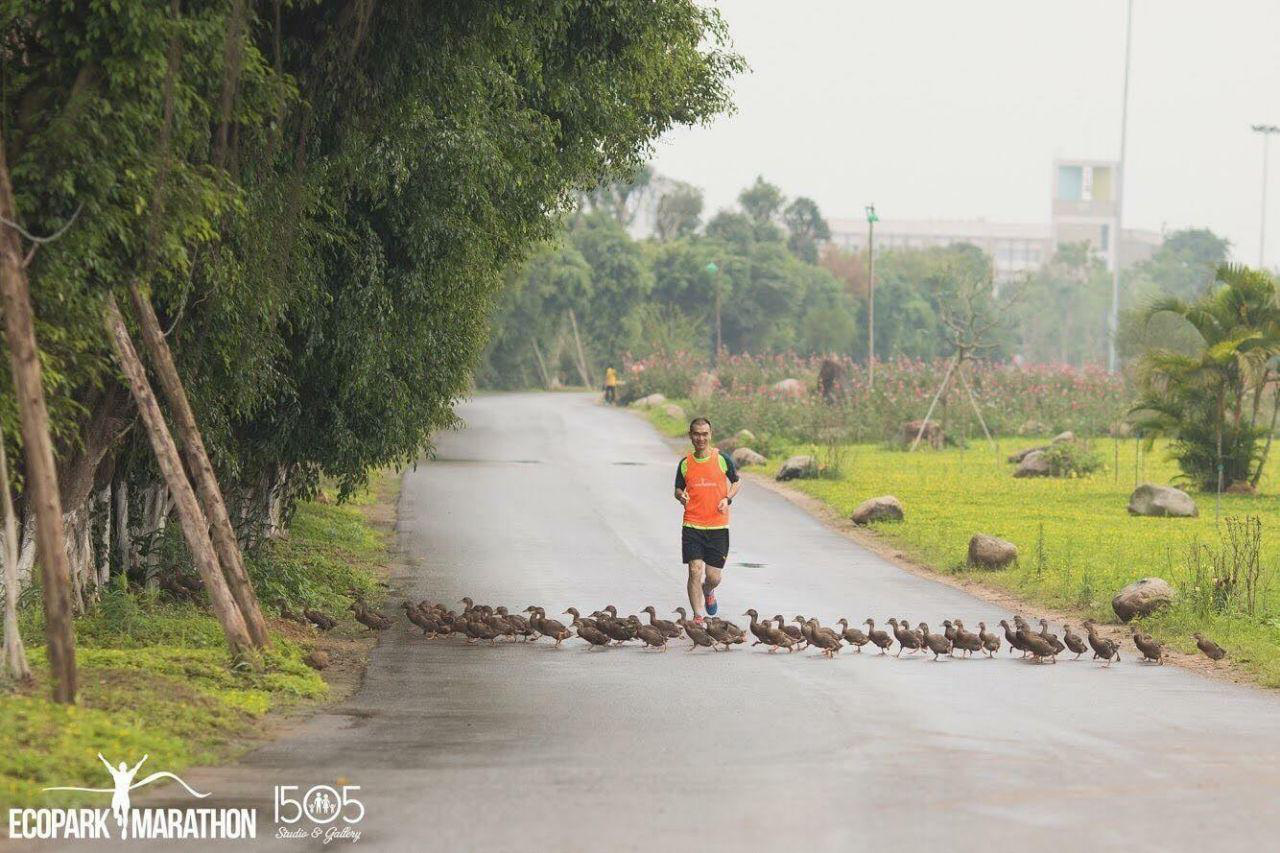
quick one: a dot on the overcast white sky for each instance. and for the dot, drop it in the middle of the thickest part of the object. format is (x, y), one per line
(955, 110)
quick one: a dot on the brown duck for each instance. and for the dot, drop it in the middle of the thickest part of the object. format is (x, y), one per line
(792, 631)
(320, 620)
(880, 639)
(1015, 643)
(666, 626)
(907, 638)
(652, 636)
(419, 618)
(758, 629)
(966, 641)
(1104, 648)
(372, 621)
(990, 640)
(824, 638)
(1073, 641)
(1039, 647)
(936, 643)
(547, 627)
(723, 633)
(1212, 650)
(592, 635)
(853, 636)
(1052, 638)
(696, 633)
(1151, 648)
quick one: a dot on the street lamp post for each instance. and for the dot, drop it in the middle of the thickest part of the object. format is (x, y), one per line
(712, 269)
(1266, 130)
(872, 219)
(1113, 321)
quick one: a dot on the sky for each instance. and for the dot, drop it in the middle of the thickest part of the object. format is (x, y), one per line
(937, 109)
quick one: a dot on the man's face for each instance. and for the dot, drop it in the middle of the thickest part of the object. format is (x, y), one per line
(700, 435)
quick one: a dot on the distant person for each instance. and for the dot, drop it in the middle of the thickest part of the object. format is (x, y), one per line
(706, 481)
(610, 385)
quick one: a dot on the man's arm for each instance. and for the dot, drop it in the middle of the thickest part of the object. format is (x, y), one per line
(731, 474)
(681, 495)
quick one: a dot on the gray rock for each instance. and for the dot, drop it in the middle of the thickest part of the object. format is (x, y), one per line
(704, 385)
(1015, 458)
(1142, 598)
(674, 411)
(1157, 500)
(793, 387)
(1034, 464)
(1062, 437)
(798, 468)
(990, 552)
(883, 508)
(650, 401)
(745, 456)
(745, 437)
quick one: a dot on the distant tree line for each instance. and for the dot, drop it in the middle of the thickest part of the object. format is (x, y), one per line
(784, 287)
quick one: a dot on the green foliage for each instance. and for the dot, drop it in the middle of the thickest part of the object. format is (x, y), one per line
(1208, 401)
(154, 674)
(1072, 459)
(1064, 307)
(328, 275)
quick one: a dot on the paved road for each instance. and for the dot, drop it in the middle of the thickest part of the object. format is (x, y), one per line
(551, 499)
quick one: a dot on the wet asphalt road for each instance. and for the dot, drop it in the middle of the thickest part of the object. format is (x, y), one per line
(552, 499)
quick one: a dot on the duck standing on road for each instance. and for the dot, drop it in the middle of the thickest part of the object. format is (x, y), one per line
(1151, 648)
(1103, 648)
(853, 636)
(1073, 642)
(967, 641)
(936, 643)
(666, 626)
(907, 638)
(879, 638)
(990, 640)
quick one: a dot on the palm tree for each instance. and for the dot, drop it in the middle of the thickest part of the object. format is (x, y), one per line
(1199, 398)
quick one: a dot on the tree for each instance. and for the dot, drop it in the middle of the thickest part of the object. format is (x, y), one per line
(1207, 400)
(1184, 266)
(806, 228)
(622, 199)
(762, 203)
(347, 183)
(679, 212)
(1063, 314)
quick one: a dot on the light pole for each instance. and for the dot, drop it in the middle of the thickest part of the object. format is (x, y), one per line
(712, 269)
(872, 219)
(1266, 130)
(1113, 321)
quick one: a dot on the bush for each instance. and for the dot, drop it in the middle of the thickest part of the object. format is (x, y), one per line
(1072, 459)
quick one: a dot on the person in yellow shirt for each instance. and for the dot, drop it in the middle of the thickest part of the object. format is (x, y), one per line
(610, 385)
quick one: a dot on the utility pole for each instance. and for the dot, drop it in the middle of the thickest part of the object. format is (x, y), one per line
(712, 269)
(872, 219)
(1113, 321)
(1266, 130)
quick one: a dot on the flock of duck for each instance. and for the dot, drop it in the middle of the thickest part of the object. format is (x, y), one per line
(482, 622)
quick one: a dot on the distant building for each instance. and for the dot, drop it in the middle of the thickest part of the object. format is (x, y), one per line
(1083, 208)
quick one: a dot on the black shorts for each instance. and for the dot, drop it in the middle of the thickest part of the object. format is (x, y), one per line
(709, 546)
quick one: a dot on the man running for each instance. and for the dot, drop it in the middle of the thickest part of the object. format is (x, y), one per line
(706, 481)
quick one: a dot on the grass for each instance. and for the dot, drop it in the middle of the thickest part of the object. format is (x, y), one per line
(1077, 544)
(155, 677)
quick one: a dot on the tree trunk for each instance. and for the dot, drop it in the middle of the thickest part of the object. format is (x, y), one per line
(124, 545)
(15, 654)
(206, 482)
(1266, 451)
(41, 473)
(195, 529)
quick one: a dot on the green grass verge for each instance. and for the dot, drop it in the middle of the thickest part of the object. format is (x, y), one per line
(155, 676)
(1077, 543)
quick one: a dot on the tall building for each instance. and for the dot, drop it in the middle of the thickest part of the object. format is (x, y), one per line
(1082, 208)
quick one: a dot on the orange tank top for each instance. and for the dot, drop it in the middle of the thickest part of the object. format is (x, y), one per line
(706, 485)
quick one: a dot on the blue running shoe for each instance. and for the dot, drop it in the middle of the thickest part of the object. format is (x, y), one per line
(712, 607)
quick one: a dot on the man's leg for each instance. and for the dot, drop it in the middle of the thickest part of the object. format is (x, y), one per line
(697, 575)
(711, 580)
